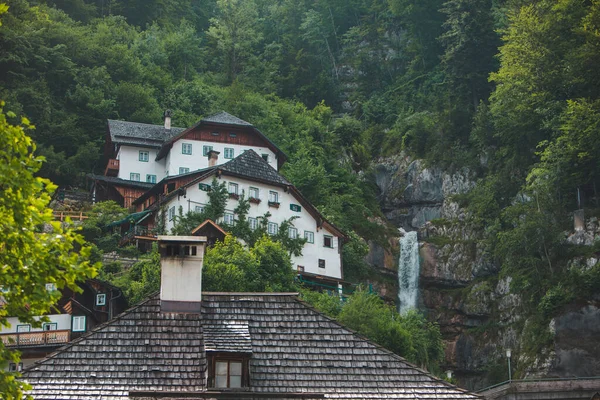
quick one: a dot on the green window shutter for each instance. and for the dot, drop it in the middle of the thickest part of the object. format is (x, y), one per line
(295, 207)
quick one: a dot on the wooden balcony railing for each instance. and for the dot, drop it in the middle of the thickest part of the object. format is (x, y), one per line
(74, 215)
(112, 168)
(32, 339)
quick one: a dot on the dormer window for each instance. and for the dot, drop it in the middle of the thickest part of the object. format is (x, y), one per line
(228, 371)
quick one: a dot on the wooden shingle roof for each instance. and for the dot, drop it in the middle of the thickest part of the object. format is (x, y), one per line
(138, 134)
(294, 350)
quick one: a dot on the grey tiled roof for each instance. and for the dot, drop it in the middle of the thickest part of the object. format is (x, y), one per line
(136, 133)
(225, 118)
(295, 349)
(122, 182)
(250, 164)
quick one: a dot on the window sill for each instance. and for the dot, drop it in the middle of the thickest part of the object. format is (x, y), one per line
(273, 204)
(234, 196)
(254, 200)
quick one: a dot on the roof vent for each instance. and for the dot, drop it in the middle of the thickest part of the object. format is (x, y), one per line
(167, 118)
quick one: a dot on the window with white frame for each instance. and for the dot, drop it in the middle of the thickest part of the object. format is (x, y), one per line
(327, 241)
(228, 219)
(206, 149)
(199, 209)
(186, 148)
(23, 328)
(134, 176)
(292, 232)
(253, 223)
(233, 188)
(171, 213)
(273, 196)
(78, 324)
(101, 299)
(49, 326)
(50, 287)
(309, 236)
(272, 228)
(229, 152)
(183, 170)
(144, 156)
(151, 178)
(253, 192)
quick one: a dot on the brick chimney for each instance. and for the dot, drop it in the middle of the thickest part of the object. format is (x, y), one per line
(167, 118)
(181, 260)
(213, 157)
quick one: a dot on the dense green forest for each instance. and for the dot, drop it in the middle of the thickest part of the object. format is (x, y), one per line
(507, 88)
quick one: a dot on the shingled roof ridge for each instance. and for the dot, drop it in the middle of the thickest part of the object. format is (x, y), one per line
(380, 347)
(223, 117)
(97, 328)
(141, 123)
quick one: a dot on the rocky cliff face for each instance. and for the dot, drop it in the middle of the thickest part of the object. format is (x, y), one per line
(460, 288)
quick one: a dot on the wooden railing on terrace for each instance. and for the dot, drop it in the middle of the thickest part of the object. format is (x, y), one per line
(32, 339)
(74, 215)
(136, 230)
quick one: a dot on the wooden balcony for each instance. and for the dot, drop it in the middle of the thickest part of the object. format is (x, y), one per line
(35, 339)
(112, 168)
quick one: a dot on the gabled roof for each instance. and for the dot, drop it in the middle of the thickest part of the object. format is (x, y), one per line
(222, 118)
(250, 165)
(139, 134)
(294, 349)
(207, 223)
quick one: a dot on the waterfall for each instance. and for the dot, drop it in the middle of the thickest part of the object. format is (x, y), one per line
(408, 272)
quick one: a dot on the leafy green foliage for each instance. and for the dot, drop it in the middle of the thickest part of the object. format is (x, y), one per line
(264, 267)
(34, 249)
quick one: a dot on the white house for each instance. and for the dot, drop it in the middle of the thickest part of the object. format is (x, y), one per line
(267, 191)
(155, 167)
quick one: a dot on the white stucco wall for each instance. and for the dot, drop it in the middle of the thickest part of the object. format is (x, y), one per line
(129, 161)
(311, 252)
(197, 160)
(63, 322)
